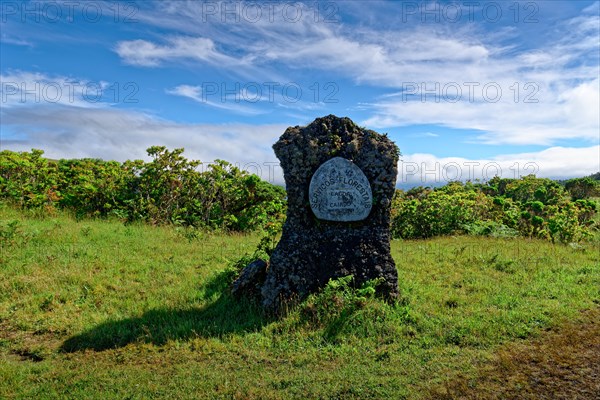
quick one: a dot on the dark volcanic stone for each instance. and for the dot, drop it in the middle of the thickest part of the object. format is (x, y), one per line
(250, 281)
(313, 251)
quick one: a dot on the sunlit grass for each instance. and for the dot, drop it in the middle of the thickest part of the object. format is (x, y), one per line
(95, 308)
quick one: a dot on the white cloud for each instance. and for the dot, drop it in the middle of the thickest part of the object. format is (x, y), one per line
(573, 115)
(69, 132)
(148, 54)
(554, 162)
(592, 8)
(195, 93)
(4, 38)
(22, 88)
(252, 93)
(560, 74)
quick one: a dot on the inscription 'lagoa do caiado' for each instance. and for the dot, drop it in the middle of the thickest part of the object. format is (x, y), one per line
(340, 191)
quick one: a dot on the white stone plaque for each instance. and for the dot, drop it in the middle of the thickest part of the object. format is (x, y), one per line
(340, 191)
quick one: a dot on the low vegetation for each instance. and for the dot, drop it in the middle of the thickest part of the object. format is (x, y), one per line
(94, 308)
(115, 284)
(171, 189)
(527, 207)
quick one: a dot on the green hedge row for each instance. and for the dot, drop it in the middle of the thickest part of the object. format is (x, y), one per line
(530, 207)
(171, 189)
(168, 189)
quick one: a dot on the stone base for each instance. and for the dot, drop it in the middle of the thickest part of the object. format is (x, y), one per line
(305, 260)
(250, 281)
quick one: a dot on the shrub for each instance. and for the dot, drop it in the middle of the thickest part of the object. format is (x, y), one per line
(583, 188)
(531, 207)
(168, 189)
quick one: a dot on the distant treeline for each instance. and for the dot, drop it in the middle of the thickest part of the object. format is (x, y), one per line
(529, 207)
(170, 189)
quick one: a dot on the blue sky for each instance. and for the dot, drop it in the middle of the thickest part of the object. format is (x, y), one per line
(466, 89)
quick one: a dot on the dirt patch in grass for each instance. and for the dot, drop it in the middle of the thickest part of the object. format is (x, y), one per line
(562, 363)
(26, 346)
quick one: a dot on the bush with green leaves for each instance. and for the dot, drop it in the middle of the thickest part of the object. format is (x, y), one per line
(443, 211)
(94, 187)
(167, 189)
(529, 207)
(28, 179)
(170, 189)
(583, 188)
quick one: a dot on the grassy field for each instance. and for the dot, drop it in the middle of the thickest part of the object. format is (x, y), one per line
(98, 309)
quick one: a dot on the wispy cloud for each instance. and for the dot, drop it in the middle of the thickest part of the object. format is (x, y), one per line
(195, 93)
(112, 134)
(4, 38)
(462, 76)
(149, 54)
(572, 115)
(65, 131)
(555, 162)
(30, 89)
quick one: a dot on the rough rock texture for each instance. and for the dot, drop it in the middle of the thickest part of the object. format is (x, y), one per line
(312, 251)
(250, 281)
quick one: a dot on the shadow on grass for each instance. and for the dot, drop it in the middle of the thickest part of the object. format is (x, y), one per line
(224, 316)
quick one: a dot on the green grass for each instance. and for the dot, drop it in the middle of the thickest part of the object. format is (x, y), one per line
(98, 309)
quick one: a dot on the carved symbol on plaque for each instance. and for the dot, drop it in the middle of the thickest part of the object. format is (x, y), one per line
(340, 191)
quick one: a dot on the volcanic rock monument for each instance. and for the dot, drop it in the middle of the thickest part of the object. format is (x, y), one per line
(340, 180)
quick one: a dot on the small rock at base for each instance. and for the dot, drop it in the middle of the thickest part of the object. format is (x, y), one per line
(250, 280)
